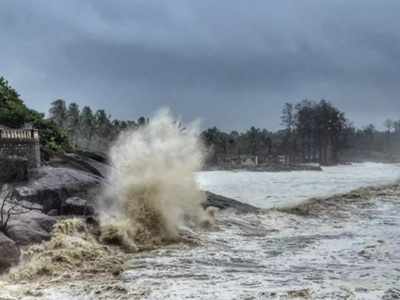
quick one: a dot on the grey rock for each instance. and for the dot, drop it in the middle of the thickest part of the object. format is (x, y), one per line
(29, 228)
(53, 213)
(84, 161)
(9, 253)
(222, 202)
(52, 186)
(76, 206)
(23, 234)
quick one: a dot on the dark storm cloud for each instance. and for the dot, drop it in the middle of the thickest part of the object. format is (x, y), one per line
(231, 63)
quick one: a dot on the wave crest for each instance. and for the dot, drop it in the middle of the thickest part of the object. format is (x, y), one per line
(153, 192)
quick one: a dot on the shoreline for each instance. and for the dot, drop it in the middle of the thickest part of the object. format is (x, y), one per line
(272, 169)
(334, 208)
(284, 235)
(358, 194)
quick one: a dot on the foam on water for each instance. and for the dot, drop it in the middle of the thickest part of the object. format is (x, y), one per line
(350, 255)
(268, 189)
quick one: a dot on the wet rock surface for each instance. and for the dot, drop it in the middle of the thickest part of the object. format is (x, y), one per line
(84, 161)
(31, 227)
(222, 202)
(76, 206)
(9, 253)
(52, 186)
(50, 189)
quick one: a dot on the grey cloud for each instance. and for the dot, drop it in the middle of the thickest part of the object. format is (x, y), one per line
(233, 64)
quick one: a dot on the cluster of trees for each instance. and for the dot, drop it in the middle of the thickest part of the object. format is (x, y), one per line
(254, 141)
(67, 127)
(313, 132)
(86, 129)
(15, 114)
(392, 126)
(372, 144)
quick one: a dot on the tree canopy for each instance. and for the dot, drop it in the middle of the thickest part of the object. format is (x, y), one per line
(15, 114)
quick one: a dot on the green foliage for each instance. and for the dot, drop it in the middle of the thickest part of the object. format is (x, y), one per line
(87, 129)
(51, 136)
(313, 131)
(14, 114)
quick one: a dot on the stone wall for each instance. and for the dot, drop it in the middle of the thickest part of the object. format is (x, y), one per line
(21, 143)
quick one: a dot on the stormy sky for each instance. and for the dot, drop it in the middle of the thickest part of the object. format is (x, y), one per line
(230, 63)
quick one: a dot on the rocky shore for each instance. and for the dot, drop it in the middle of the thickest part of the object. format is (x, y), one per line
(64, 188)
(281, 252)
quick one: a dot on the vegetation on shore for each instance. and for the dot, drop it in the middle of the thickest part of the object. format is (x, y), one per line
(312, 132)
(87, 129)
(15, 114)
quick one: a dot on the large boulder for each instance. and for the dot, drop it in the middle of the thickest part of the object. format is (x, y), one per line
(84, 161)
(52, 186)
(31, 227)
(9, 253)
(76, 206)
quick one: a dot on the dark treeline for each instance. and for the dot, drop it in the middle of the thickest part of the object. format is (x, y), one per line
(312, 132)
(87, 129)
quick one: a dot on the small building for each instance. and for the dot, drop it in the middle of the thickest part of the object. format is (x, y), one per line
(237, 161)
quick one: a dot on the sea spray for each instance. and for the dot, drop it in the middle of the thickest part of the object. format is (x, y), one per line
(72, 251)
(153, 192)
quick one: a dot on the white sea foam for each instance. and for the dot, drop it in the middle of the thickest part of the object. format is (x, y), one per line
(267, 256)
(267, 189)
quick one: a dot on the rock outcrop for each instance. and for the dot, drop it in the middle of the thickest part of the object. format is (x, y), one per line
(76, 206)
(51, 187)
(31, 227)
(222, 202)
(68, 187)
(9, 253)
(83, 161)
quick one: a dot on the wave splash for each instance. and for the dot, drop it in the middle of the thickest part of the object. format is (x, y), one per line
(73, 250)
(153, 193)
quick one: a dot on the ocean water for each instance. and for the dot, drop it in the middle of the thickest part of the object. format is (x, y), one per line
(273, 255)
(268, 189)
